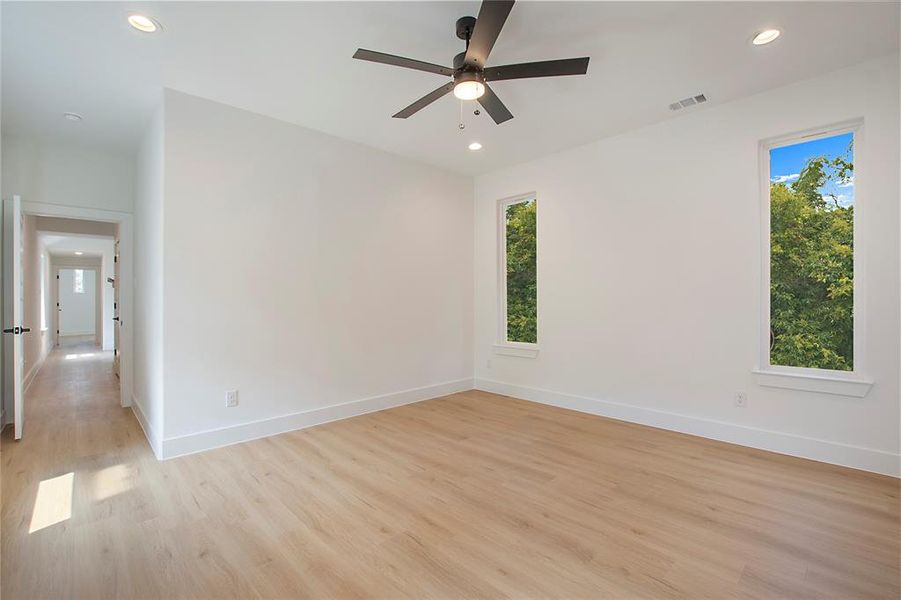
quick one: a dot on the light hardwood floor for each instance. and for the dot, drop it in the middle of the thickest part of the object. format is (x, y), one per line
(469, 496)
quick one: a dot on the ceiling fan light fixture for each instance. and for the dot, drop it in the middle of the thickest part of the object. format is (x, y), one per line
(469, 90)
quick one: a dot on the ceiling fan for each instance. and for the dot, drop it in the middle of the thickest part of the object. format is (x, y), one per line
(470, 73)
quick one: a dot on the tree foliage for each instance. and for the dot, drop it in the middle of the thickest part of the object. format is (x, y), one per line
(812, 268)
(522, 280)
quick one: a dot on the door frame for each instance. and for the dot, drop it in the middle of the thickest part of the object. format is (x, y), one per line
(125, 221)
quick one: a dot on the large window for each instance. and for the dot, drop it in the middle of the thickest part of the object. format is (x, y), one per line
(811, 252)
(519, 271)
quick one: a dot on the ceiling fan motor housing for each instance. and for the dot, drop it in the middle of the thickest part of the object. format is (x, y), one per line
(469, 76)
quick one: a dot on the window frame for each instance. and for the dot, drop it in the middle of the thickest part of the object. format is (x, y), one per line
(846, 383)
(503, 345)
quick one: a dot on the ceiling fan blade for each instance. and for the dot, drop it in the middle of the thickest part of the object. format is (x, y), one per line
(546, 68)
(424, 101)
(491, 103)
(400, 61)
(489, 23)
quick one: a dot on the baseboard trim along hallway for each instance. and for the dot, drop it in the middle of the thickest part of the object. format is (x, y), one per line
(866, 459)
(244, 432)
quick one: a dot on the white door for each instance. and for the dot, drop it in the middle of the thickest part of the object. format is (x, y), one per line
(13, 330)
(116, 309)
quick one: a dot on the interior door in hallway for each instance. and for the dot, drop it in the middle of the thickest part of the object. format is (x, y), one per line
(13, 311)
(117, 322)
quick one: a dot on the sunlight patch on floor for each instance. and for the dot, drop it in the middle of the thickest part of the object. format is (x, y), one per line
(111, 481)
(53, 503)
(75, 356)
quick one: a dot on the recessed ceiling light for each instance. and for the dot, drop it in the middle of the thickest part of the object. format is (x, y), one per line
(475, 146)
(765, 37)
(78, 253)
(72, 116)
(143, 23)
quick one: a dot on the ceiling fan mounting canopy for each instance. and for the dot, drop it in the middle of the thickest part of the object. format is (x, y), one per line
(465, 26)
(470, 73)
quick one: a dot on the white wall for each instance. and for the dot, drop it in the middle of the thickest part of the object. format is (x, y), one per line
(64, 174)
(147, 283)
(304, 271)
(35, 272)
(649, 274)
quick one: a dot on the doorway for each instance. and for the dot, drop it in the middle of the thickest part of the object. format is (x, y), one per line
(80, 287)
(77, 306)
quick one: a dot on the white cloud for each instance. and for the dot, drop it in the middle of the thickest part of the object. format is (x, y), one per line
(785, 178)
(849, 183)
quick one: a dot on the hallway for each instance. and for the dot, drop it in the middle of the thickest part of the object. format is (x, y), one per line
(74, 467)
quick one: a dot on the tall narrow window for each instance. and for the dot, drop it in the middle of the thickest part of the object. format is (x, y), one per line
(78, 281)
(811, 252)
(43, 275)
(519, 274)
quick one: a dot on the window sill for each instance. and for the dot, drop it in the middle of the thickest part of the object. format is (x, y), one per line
(518, 350)
(824, 384)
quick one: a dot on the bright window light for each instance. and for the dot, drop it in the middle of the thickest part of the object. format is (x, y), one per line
(78, 281)
(111, 481)
(53, 503)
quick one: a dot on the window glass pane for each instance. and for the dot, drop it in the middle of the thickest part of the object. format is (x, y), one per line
(43, 276)
(812, 254)
(78, 281)
(522, 281)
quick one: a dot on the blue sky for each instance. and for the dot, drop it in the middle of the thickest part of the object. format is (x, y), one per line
(786, 163)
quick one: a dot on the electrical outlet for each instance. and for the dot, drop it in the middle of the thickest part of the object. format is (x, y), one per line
(231, 398)
(741, 399)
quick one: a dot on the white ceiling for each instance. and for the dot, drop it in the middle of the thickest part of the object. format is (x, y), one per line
(60, 244)
(292, 60)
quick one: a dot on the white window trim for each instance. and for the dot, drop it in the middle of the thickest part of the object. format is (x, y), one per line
(504, 346)
(845, 383)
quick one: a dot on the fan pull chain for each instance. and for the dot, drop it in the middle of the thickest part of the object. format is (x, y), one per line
(462, 124)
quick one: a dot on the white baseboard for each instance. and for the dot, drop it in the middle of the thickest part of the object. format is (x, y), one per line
(33, 372)
(149, 433)
(866, 459)
(235, 434)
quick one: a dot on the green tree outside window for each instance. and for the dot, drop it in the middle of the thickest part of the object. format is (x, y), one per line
(812, 265)
(522, 279)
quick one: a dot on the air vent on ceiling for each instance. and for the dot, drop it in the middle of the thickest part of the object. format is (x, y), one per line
(686, 102)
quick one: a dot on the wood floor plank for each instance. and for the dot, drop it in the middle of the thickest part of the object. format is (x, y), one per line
(473, 495)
